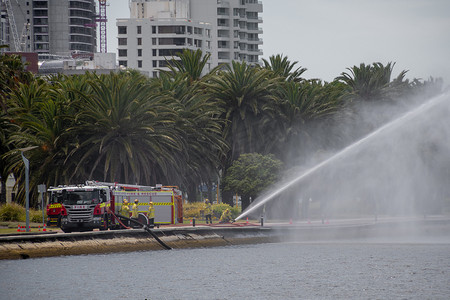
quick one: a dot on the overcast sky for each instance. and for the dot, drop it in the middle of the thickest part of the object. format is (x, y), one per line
(328, 36)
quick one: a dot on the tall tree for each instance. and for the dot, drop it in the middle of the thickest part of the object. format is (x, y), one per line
(125, 134)
(251, 174)
(12, 74)
(282, 67)
(373, 82)
(244, 93)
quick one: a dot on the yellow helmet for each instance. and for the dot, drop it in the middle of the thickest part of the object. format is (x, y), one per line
(150, 203)
(125, 202)
(136, 200)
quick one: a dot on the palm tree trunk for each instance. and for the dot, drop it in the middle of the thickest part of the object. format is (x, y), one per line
(3, 192)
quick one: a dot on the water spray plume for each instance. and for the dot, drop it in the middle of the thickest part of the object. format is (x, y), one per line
(346, 151)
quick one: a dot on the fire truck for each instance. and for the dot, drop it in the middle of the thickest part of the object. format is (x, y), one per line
(96, 205)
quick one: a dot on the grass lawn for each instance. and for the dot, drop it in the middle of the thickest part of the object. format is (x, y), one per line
(11, 227)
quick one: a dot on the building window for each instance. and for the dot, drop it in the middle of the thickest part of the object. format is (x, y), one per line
(123, 52)
(122, 41)
(139, 52)
(153, 29)
(154, 52)
(122, 29)
(154, 62)
(123, 63)
(139, 63)
(139, 29)
(155, 74)
(153, 41)
(139, 41)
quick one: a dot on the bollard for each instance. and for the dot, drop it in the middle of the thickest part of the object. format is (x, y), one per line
(39, 228)
(262, 221)
(193, 222)
(45, 228)
(247, 220)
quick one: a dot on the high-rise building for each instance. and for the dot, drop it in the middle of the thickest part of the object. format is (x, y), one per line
(159, 29)
(60, 27)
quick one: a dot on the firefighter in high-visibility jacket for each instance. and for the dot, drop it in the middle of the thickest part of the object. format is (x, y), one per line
(135, 209)
(208, 211)
(125, 210)
(226, 216)
(151, 215)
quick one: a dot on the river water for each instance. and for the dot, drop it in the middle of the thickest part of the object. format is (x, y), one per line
(325, 270)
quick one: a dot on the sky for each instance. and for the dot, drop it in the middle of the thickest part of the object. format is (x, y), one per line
(328, 36)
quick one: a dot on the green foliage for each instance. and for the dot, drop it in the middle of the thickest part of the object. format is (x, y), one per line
(252, 173)
(36, 216)
(218, 209)
(191, 210)
(179, 129)
(12, 212)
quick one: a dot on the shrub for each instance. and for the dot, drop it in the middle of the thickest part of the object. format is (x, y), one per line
(191, 210)
(36, 216)
(218, 209)
(12, 212)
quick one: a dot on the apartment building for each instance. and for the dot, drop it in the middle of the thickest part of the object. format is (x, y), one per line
(59, 27)
(159, 29)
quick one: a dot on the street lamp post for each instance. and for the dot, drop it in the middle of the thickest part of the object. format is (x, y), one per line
(27, 185)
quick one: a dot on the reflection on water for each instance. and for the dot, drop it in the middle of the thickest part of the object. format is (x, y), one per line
(265, 271)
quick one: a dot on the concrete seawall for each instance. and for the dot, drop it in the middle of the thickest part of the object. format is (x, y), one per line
(44, 245)
(56, 244)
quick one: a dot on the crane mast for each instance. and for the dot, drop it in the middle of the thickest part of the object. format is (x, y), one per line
(102, 20)
(12, 25)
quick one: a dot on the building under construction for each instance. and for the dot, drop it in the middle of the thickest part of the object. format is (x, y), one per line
(57, 27)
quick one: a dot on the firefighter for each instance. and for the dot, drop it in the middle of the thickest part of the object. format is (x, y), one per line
(208, 211)
(226, 216)
(135, 209)
(124, 210)
(151, 215)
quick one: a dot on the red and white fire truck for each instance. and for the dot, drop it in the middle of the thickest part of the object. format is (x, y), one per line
(96, 205)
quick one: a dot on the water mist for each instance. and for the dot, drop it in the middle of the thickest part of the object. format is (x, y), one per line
(402, 167)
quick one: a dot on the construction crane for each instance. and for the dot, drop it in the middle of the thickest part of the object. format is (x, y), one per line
(12, 25)
(102, 20)
(20, 44)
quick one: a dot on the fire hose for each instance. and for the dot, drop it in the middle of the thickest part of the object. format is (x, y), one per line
(145, 227)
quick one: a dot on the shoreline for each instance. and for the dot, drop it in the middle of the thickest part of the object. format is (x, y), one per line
(103, 242)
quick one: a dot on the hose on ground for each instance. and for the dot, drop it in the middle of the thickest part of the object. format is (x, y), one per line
(145, 227)
(118, 220)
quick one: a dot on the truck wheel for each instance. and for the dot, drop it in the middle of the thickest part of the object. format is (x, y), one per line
(66, 230)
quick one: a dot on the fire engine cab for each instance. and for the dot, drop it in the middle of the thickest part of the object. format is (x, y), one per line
(96, 204)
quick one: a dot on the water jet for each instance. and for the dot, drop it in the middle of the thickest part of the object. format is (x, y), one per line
(435, 110)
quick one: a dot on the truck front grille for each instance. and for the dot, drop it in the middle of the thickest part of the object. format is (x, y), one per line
(81, 215)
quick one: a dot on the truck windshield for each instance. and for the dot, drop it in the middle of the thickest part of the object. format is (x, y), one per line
(80, 197)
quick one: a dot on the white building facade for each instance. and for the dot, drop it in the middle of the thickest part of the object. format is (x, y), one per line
(159, 29)
(60, 27)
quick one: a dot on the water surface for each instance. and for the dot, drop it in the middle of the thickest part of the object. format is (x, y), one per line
(349, 270)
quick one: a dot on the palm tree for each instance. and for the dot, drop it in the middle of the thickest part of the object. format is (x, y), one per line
(189, 63)
(282, 67)
(199, 124)
(125, 134)
(42, 117)
(373, 82)
(305, 105)
(244, 93)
